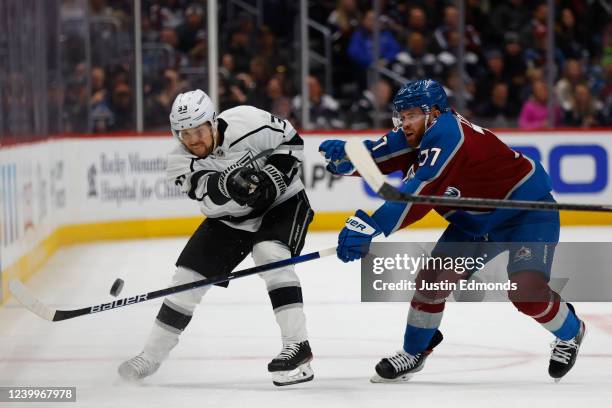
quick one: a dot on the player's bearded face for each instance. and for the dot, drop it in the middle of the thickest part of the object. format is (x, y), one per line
(413, 125)
(199, 140)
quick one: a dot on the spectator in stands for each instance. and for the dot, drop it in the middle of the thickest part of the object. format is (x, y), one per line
(159, 103)
(239, 47)
(118, 73)
(497, 111)
(415, 61)
(535, 54)
(375, 103)
(76, 103)
(166, 13)
(227, 68)
(493, 73)
(515, 68)
(100, 8)
(102, 118)
(451, 86)
(198, 54)
(237, 90)
(267, 49)
(259, 74)
(569, 36)
(324, 109)
(586, 111)
(360, 47)
(148, 32)
(168, 36)
(449, 27)
(573, 74)
(417, 21)
(122, 102)
(343, 21)
(534, 113)
(99, 90)
(187, 32)
(448, 57)
(533, 30)
(475, 16)
(279, 103)
(506, 16)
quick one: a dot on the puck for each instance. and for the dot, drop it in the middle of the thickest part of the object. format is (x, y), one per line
(115, 290)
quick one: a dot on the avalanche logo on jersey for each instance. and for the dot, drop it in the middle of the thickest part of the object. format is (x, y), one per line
(523, 254)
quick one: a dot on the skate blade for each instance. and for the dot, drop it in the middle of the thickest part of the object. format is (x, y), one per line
(130, 379)
(128, 376)
(377, 379)
(584, 332)
(299, 375)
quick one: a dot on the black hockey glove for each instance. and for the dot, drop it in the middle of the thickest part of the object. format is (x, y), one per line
(257, 189)
(272, 186)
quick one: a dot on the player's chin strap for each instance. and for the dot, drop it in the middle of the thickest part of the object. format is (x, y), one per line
(215, 137)
(427, 113)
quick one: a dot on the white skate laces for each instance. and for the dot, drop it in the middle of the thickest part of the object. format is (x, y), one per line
(138, 367)
(292, 364)
(403, 361)
(289, 351)
(562, 350)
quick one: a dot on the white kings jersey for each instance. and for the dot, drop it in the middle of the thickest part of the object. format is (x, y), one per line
(250, 137)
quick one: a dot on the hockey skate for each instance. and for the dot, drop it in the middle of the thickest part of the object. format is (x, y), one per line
(564, 354)
(138, 367)
(292, 365)
(402, 366)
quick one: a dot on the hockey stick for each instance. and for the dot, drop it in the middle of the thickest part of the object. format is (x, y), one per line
(363, 162)
(25, 297)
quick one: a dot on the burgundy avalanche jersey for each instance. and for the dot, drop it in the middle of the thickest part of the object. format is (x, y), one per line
(459, 159)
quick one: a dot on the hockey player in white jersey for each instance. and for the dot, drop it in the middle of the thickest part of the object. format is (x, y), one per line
(241, 167)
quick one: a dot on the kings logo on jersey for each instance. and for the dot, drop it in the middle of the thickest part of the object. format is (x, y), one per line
(249, 160)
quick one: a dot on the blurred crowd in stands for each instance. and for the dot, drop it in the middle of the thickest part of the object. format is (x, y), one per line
(505, 60)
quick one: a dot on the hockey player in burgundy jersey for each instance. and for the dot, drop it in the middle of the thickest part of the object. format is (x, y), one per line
(441, 153)
(241, 168)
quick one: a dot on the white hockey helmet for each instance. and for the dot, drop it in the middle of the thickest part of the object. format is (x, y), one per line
(190, 110)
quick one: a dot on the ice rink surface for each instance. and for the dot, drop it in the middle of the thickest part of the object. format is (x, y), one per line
(491, 356)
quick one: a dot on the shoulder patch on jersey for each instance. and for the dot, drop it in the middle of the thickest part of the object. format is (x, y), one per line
(452, 192)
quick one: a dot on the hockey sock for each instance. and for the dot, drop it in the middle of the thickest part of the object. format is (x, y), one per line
(536, 299)
(160, 343)
(288, 311)
(427, 308)
(423, 321)
(284, 290)
(174, 315)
